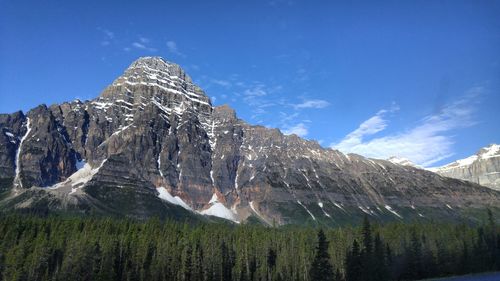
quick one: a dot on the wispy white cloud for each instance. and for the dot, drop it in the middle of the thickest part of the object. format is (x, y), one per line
(314, 103)
(256, 91)
(299, 129)
(108, 33)
(223, 83)
(259, 98)
(426, 143)
(139, 45)
(142, 44)
(172, 48)
(108, 36)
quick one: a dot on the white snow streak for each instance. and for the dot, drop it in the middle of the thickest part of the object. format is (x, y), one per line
(218, 209)
(176, 200)
(300, 203)
(389, 208)
(17, 180)
(79, 178)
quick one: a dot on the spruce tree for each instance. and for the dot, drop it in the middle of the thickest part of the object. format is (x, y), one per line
(367, 235)
(321, 268)
(414, 255)
(367, 258)
(380, 271)
(354, 266)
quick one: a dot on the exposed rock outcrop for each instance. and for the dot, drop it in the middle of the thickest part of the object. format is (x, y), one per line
(482, 168)
(153, 139)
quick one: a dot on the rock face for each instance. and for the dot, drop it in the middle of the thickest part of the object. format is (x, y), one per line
(152, 144)
(482, 168)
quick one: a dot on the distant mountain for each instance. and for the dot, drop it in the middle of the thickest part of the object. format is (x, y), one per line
(401, 161)
(152, 144)
(482, 168)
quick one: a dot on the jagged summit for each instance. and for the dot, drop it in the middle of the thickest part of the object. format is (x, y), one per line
(401, 161)
(482, 167)
(151, 81)
(490, 151)
(160, 66)
(153, 137)
(159, 77)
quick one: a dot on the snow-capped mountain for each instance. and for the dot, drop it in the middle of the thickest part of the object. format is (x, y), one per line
(482, 168)
(152, 144)
(401, 161)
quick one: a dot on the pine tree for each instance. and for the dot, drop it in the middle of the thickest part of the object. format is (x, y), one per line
(187, 264)
(414, 256)
(271, 262)
(321, 268)
(380, 271)
(354, 266)
(367, 258)
(227, 264)
(367, 235)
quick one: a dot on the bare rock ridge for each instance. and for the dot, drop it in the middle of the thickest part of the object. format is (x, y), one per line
(152, 144)
(482, 168)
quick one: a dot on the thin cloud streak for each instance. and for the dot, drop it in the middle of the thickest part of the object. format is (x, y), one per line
(300, 130)
(142, 45)
(108, 36)
(172, 48)
(426, 143)
(312, 104)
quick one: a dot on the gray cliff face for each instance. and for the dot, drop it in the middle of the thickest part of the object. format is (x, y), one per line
(153, 140)
(482, 168)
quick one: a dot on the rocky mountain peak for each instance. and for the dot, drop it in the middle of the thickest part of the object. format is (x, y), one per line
(401, 161)
(158, 66)
(491, 150)
(482, 167)
(224, 112)
(152, 140)
(163, 76)
(152, 81)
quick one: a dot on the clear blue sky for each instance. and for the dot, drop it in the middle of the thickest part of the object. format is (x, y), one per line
(416, 79)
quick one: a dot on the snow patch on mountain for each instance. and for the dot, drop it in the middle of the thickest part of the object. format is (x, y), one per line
(488, 152)
(79, 178)
(176, 200)
(390, 209)
(17, 179)
(401, 161)
(217, 209)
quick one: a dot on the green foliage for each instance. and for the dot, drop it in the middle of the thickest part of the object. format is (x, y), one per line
(321, 268)
(99, 248)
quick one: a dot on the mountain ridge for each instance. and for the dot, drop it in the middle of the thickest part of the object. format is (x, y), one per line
(482, 168)
(152, 141)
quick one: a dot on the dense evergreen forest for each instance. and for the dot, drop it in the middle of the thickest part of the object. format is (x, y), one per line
(90, 248)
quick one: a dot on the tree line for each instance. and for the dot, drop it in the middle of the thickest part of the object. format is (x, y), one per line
(93, 248)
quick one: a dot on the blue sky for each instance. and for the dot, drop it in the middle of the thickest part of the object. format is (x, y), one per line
(415, 79)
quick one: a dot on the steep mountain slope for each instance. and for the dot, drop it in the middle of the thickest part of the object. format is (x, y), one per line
(482, 168)
(152, 143)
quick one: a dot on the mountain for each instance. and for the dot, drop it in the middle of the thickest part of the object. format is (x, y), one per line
(152, 144)
(401, 161)
(482, 168)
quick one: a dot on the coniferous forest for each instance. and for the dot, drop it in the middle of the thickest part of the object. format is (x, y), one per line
(91, 248)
